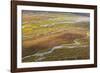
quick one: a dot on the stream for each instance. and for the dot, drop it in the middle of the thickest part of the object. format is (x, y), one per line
(42, 54)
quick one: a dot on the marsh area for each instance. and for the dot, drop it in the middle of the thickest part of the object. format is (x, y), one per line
(55, 36)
